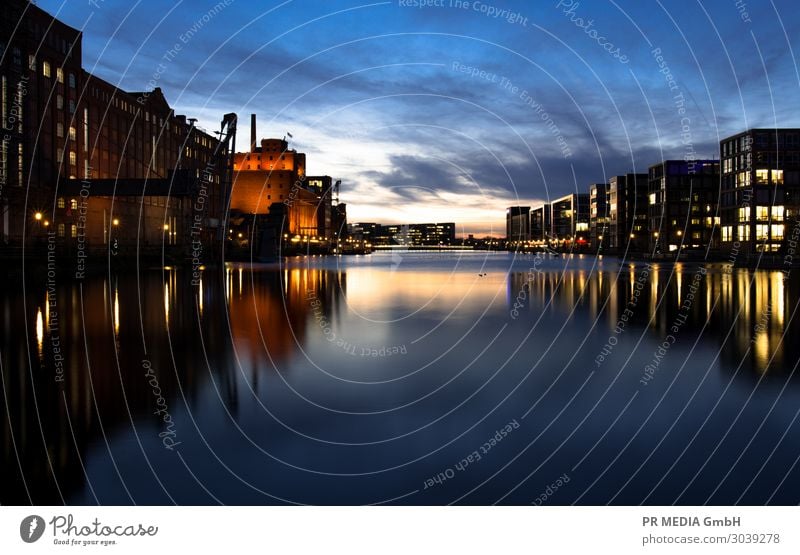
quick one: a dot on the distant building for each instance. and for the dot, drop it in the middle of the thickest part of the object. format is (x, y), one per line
(571, 220)
(760, 190)
(518, 225)
(432, 234)
(682, 205)
(541, 223)
(627, 212)
(598, 216)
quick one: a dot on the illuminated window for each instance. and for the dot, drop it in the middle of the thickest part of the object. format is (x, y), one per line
(73, 158)
(726, 233)
(776, 230)
(762, 212)
(762, 177)
(73, 231)
(777, 213)
(61, 230)
(61, 203)
(73, 204)
(46, 69)
(31, 62)
(652, 198)
(743, 179)
(777, 177)
(762, 232)
(59, 75)
(744, 232)
(71, 133)
(744, 214)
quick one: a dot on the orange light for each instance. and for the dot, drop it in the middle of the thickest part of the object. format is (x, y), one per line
(37, 216)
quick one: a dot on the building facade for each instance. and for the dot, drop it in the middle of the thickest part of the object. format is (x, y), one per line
(541, 223)
(72, 137)
(598, 216)
(683, 199)
(627, 212)
(518, 225)
(760, 190)
(570, 217)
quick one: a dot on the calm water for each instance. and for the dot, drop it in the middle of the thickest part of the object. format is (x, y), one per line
(408, 378)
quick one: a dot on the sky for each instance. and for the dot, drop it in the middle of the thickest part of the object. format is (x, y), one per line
(451, 111)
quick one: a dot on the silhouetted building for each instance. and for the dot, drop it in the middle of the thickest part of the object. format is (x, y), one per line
(760, 190)
(682, 205)
(598, 216)
(627, 212)
(541, 223)
(518, 225)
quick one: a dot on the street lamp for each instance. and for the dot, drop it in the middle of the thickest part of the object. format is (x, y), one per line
(115, 222)
(37, 216)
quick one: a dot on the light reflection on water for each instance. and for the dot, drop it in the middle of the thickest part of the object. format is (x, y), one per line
(354, 380)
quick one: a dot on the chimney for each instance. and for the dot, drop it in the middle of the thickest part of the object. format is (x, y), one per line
(252, 132)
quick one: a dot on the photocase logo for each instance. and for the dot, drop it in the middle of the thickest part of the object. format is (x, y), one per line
(31, 528)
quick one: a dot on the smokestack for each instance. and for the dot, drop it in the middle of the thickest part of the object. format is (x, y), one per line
(252, 132)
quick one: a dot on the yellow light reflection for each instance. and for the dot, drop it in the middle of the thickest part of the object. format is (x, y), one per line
(166, 301)
(200, 296)
(39, 330)
(116, 311)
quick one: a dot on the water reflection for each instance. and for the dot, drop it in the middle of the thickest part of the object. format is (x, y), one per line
(748, 314)
(82, 421)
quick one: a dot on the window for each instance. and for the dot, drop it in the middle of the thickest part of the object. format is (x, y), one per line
(73, 204)
(652, 197)
(46, 69)
(743, 179)
(744, 232)
(744, 214)
(71, 80)
(60, 202)
(59, 102)
(777, 231)
(73, 231)
(73, 158)
(726, 233)
(72, 133)
(762, 177)
(777, 213)
(762, 232)
(59, 75)
(71, 106)
(31, 62)
(59, 129)
(762, 212)
(61, 230)
(777, 177)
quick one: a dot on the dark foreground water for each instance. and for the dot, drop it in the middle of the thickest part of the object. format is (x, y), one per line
(406, 378)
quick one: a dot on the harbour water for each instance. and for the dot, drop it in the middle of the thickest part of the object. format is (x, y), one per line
(413, 378)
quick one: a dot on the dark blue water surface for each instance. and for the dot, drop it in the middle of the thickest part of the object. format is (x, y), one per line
(414, 378)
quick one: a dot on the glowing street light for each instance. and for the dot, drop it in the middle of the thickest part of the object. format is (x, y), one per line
(37, 216)
(115, 221)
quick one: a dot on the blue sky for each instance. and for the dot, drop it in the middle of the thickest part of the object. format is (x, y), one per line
(452, 111)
